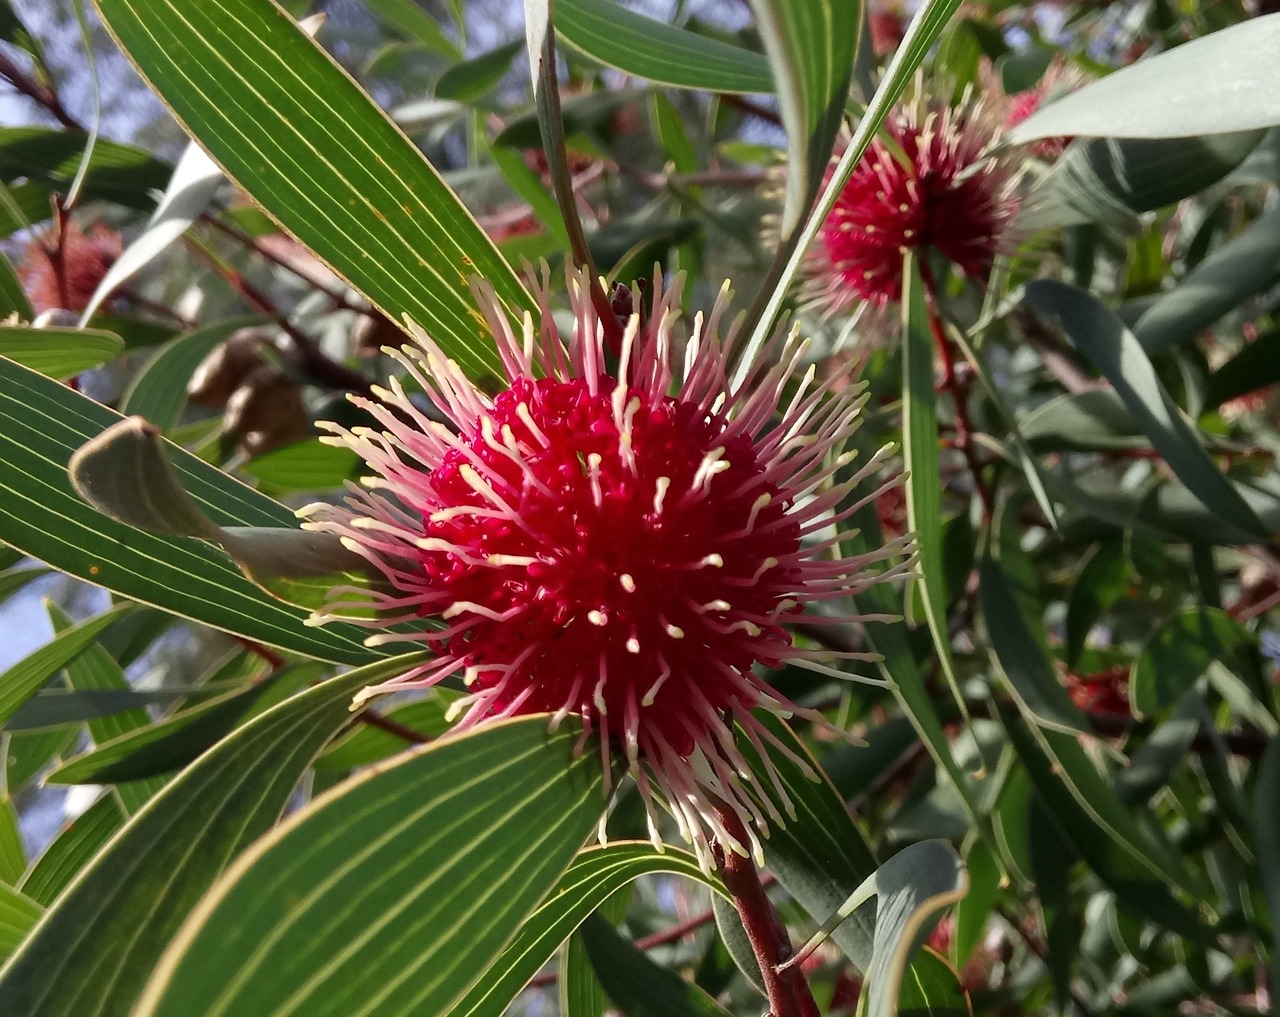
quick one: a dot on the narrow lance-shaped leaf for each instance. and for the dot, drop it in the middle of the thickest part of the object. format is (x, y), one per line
(41, 424)
(295, 131)
(59, 353)
(810, 45)
(91, 953)
(1233, 75)
(595, 875)
(394, 892)
(664, 54)
(1112, 348)
(923, 469)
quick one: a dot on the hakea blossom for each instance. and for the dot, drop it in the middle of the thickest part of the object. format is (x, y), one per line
(930, 181)
(622, 542)
(66, 274)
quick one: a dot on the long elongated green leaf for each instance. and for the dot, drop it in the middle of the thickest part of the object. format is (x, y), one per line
(92, 951)
(922, 461)
(41, 424)
(59, 352)
(1244, 266)
(1267, 837)
(12, 298)
(119, 173)
(23, 678)
(1102, 829)
(17, 914)
(638, 986)
(146, 751)
(71, 850)
(1020, 656)
(664, 54)
(1232, 73)
(915, 883)
(290, 127)
(394, 892)
(94, 670)
(819, 855)
(810, 45)
(927, 23)
(1112, 180)
(594, 875)
(1112, 348)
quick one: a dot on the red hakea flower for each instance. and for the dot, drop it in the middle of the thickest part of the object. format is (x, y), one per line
(624, 545)
(67, 279)
(931, 183)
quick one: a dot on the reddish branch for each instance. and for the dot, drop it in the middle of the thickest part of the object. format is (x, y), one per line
(45, 96)
(787, 990)
(310, 358)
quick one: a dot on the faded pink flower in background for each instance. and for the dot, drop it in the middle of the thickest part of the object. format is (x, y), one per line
(626, 544)
(929, 180)
(67, 279)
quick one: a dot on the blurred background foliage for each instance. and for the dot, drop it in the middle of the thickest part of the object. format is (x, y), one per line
(1089, 671)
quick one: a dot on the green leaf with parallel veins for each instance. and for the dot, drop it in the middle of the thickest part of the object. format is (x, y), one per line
(21, 207)
(92, 952)
(658, 52)
(596, 874)
(395, 891)
(41, 424)
(59, 353)
(308, 466)
(69, 852)
(12, 580)
(21, 680)
(13, 858)
(290, 127)
(17, 914)
(167, 744)
(810, 45)
(1113, 349)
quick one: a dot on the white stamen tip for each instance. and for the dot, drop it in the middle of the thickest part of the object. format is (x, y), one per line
(633, 645)
(713, 560)
(597, 618)
(675, 631)
(628, 583)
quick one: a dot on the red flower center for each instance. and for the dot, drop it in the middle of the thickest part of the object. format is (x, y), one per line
(643, 556)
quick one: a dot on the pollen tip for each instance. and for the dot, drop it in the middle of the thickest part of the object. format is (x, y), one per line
(633, 645)
(628, 583)
(597, 618)
(675, 631)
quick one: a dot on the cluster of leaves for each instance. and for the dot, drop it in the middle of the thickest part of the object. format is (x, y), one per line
(1080, 750)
